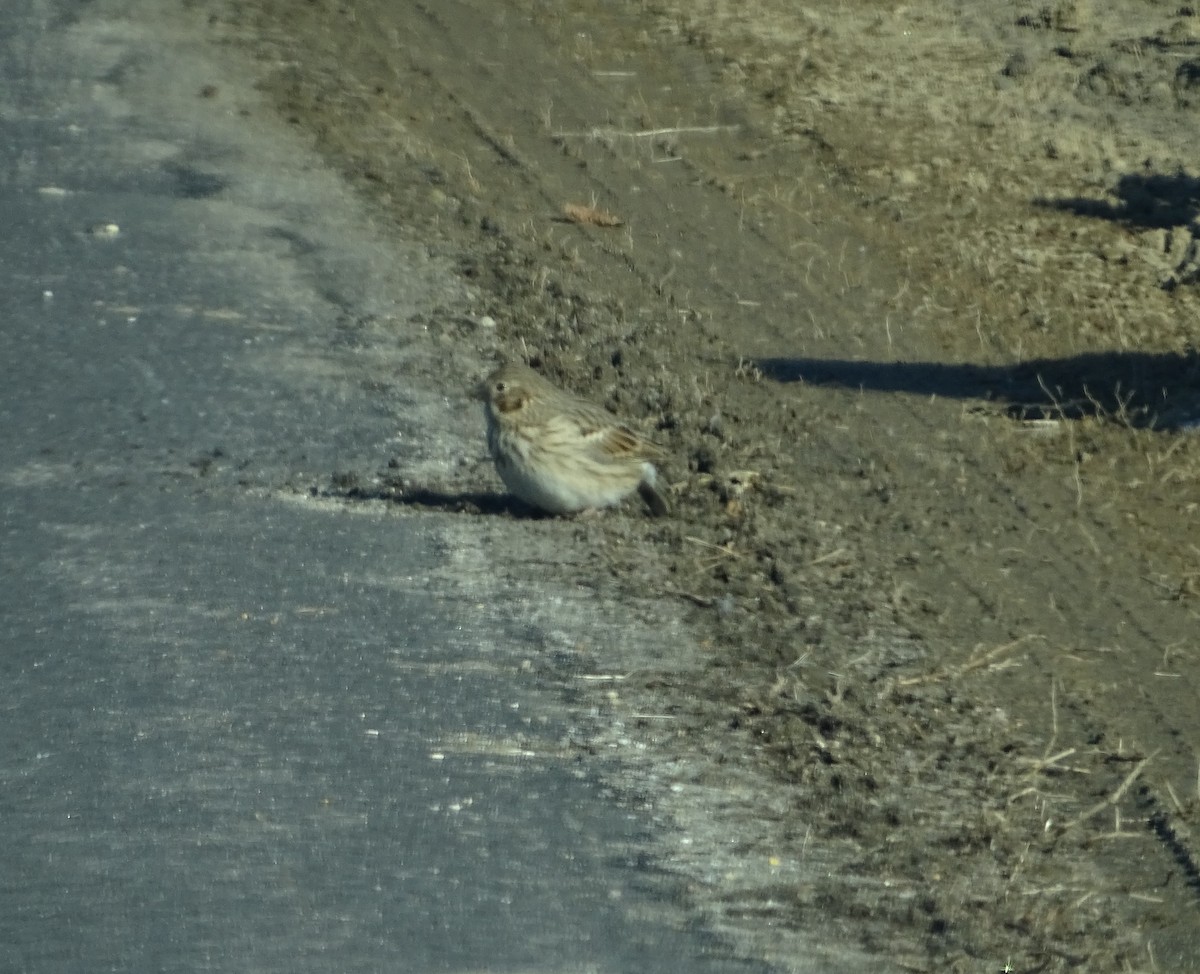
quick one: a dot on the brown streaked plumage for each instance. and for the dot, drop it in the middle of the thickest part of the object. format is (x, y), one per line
(563, 454)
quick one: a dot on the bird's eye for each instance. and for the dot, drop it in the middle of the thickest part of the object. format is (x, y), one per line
(499, 386)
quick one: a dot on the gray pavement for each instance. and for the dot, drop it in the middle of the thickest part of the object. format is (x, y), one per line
(242, 730)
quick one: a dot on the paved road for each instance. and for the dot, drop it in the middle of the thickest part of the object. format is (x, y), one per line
(241, 732)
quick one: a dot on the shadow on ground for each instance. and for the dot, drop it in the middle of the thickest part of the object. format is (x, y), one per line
(1144, 201)
(1147, 390)
(347, 488)
(1147, 201)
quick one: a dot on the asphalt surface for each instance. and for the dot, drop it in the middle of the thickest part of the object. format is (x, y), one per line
(241, 729)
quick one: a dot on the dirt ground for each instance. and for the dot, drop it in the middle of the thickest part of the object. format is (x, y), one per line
(911, 293)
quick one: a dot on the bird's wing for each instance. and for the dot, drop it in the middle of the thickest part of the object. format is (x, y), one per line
(615, 440)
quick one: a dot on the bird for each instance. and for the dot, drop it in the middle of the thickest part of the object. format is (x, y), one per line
(563, 454)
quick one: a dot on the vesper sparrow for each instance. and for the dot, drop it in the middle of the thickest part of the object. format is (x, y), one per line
(562, 453)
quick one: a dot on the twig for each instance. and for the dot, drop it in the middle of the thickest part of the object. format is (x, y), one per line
(1111, 799)
(715, 547)
(598, 133)
(828, 556)
(704, 601)
(974, 663)
(1041, 764)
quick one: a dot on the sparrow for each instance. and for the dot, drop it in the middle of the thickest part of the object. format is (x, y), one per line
(563, 454)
